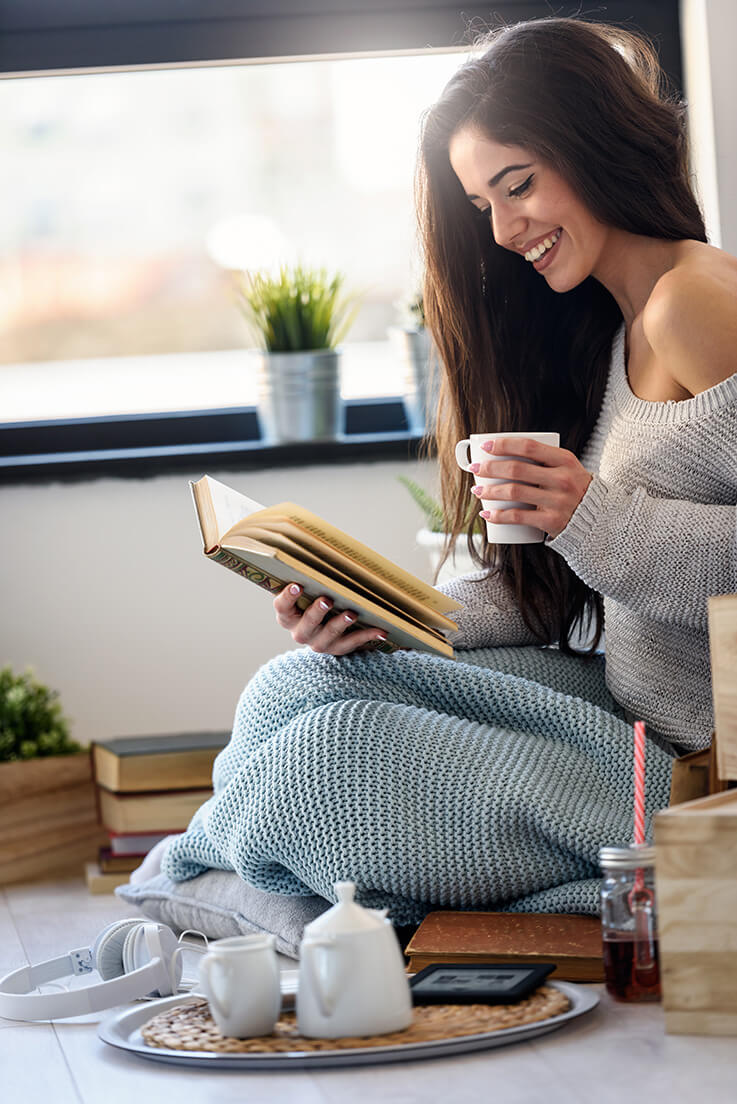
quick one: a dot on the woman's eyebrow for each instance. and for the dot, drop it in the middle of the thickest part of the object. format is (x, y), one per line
(500, 175)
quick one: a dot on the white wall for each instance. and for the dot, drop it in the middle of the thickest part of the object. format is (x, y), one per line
(709, 34)
(105, 592)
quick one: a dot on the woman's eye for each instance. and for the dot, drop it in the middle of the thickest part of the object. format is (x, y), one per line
(483, 212)
(522, 188)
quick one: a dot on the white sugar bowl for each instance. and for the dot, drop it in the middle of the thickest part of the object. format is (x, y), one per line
(351, 973)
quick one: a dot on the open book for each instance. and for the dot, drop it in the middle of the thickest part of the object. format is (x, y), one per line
(275, 545)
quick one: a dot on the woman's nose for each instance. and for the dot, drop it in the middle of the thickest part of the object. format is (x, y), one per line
(506, 226)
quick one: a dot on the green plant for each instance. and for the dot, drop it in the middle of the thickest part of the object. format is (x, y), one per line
(433, 511)
(431, 508)
(31, 721)
(301, 309)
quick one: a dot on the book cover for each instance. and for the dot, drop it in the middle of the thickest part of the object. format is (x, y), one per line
(180, 761)
(150, 813)
(272, 546)
(571, 941)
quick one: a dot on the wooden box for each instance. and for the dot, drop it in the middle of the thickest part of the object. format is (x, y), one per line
(48, 817)
(696, 891)
(696, 862)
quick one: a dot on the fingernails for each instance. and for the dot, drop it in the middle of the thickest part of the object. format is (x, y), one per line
(488, 446)
(381, 636)
(475, 468)
(294, 589)
(323, 604)
(476, 490)
(486, 515)
(349, 617)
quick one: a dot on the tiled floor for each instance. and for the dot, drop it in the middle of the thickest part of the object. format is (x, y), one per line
(618, 1054)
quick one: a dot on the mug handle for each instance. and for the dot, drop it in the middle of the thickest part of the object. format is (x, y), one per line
(462, 457)
(210, 962)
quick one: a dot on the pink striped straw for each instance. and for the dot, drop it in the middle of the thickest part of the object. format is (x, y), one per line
(639, 782)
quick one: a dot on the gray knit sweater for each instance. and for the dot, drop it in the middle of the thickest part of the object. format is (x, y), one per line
(655, 534)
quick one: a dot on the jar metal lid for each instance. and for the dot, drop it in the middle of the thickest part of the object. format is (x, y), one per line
(627, 858)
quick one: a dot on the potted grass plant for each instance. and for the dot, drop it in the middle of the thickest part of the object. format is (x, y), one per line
(48, 814)
(298, 318)
(414, 350)
(432, 536)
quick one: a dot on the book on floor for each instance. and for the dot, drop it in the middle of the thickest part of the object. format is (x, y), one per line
(571, 941)
(150, 813)
(181, 761)
(135, 843)
(110, 863)
(275, 545)
(99, 881)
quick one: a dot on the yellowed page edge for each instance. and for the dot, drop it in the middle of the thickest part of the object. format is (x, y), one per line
(286, 567)
(431, 621)
(317, 536)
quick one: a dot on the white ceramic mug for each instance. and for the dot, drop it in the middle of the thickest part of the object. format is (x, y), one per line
(502, 533)
(240, 978)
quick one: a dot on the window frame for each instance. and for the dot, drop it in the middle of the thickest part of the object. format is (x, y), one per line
(48, 37)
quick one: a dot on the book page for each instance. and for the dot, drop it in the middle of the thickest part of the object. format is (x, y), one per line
(422, 615)
(280, 568)
(218, 507)
(348, 555)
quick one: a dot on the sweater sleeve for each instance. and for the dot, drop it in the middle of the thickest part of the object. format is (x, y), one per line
(490, 616)
(659, 557)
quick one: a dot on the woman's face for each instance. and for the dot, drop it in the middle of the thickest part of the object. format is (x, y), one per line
(533, 210)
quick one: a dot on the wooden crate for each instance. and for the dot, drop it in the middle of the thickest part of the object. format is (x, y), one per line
(696, 861)
(48, 817)
(696, 891)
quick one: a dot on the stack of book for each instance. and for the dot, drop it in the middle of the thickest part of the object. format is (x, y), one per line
(148, 787)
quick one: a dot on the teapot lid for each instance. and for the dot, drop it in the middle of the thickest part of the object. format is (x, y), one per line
(346, 916)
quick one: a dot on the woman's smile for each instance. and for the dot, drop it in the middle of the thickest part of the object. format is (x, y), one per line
(534, 212)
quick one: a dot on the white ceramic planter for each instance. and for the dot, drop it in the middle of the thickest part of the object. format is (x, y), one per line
(458, 563)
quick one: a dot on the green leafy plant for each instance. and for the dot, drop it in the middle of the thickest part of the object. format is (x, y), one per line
(431, 508)
(301, 309)
(31, 721)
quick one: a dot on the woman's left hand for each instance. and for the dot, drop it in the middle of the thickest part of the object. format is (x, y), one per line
(553, 481)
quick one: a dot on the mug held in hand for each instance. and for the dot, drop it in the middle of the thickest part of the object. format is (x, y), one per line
(504, 533)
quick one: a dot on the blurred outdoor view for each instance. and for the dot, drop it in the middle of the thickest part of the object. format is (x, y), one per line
(128, 198)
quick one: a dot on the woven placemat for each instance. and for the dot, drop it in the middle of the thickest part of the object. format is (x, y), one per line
(191, 1027)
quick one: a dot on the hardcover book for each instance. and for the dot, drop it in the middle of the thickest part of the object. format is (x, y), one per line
(275, 545)
(181, 761)
(571, 941)
(150, 813)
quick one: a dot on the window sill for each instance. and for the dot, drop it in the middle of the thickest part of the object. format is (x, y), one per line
(140, 445)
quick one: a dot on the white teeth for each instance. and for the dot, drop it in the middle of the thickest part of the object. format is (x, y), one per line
(537, 251)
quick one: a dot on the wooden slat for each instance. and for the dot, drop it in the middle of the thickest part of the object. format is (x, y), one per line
(723, 644)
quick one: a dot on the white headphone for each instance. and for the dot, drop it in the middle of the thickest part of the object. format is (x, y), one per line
(134, 959)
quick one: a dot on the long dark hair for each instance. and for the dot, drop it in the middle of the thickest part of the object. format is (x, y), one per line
(590, 100)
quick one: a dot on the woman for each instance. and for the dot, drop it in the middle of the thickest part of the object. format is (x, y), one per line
(568, 287)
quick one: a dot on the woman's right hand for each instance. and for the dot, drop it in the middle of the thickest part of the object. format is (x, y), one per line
(330, 635)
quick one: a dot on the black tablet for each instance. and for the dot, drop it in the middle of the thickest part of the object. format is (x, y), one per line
(477, 982)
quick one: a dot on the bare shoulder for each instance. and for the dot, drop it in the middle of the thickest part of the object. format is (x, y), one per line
(690, 319)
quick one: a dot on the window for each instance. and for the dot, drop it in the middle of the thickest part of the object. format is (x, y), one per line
(133, 196)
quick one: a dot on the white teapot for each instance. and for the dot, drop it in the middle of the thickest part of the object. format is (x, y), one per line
(351, 973)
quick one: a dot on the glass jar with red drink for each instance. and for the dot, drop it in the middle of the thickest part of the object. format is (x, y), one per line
(629, 924)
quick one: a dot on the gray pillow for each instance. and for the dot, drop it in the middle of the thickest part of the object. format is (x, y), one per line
(219, 903)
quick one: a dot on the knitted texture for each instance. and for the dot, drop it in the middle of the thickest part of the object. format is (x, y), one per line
(489, 782)
(656, 535)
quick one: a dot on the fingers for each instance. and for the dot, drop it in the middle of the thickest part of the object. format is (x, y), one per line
(524, 446)
(324, 630)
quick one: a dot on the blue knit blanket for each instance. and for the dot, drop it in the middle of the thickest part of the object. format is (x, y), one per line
(489, 782)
